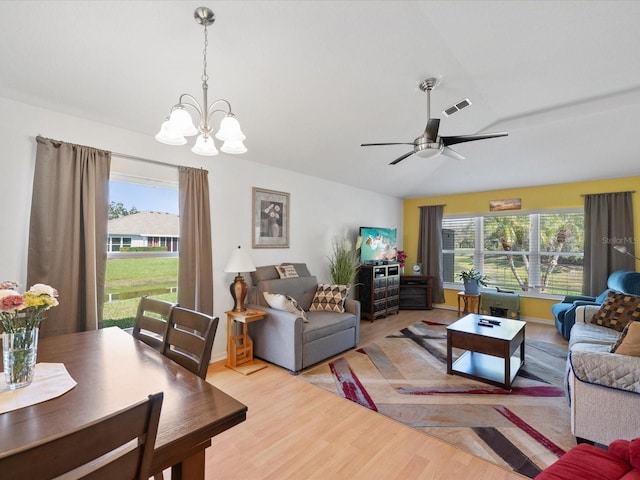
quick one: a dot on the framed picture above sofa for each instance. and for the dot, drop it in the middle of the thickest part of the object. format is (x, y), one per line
(270, 222)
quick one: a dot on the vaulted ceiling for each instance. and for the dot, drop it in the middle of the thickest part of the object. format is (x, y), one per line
(312, 80)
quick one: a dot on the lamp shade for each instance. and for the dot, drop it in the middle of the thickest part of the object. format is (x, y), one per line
(234, 147)
(168, 136)
(239, 262)
(230, 129)
(204, 146)
(623, 249)
(181, 122)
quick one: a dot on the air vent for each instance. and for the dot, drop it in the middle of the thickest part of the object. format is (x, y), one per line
(457, 107)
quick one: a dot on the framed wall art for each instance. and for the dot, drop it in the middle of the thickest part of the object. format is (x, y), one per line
(508, 204)
(270, 223)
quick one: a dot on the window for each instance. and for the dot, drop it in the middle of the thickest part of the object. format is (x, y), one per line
(144, 216)
(541, 253)
(115, 243)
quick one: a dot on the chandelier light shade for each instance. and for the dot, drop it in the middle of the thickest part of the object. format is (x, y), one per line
(179, 124)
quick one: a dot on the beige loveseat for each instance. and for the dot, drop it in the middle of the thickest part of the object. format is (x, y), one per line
(604, 387)
(285, 338)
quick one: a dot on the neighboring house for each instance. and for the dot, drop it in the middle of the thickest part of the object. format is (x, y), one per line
(144, 229)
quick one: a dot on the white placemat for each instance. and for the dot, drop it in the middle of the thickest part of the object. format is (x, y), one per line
(50, 380)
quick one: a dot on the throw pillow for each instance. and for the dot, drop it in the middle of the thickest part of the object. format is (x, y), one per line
(615, 346)
(329, 298)
(617, 310)
(287, 271)
(629, 342)
(285, 303)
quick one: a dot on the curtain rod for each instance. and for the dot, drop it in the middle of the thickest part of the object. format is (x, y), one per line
(606, 193)
(148, 160)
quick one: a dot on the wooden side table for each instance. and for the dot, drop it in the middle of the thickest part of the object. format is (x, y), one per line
(471, 303)
(240, 347)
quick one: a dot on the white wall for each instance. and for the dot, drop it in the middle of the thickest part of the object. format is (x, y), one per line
(320, 210)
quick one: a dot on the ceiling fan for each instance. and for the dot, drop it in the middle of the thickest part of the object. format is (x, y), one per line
(429, 144)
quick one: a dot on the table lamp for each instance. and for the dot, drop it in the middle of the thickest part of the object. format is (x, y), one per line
(239, 262)
(622, 249)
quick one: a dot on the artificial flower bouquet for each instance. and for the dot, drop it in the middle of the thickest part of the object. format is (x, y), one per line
(401, 257)
(26, 310)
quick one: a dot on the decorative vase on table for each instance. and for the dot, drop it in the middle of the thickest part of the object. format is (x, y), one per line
(20, 317)
(401, 257)
(471, 287)
(19, 353)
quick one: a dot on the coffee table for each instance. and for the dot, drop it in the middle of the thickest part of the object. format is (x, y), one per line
(489, 355)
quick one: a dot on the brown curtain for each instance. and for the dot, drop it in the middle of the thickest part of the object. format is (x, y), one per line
(68, 232)
(195, 266)
(430, 247)
(608, 222)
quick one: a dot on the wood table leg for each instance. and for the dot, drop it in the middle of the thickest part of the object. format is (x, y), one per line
(507, 368)
(191, 468)
(449, 353)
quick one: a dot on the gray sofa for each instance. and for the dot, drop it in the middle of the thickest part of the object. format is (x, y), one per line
(284, 338)
(604, 387)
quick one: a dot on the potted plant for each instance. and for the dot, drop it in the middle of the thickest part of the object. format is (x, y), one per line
(472, 278)
(343, 263)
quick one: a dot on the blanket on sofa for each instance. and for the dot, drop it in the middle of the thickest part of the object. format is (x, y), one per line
(603, 368)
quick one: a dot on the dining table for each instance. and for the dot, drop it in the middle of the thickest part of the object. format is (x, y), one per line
(113, 370)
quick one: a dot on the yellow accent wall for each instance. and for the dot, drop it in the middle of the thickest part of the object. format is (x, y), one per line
(568, 195)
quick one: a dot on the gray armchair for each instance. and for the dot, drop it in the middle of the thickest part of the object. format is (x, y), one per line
(285, 338)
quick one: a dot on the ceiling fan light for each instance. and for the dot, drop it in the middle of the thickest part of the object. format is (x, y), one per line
(428, 152)
(230, 129)
(204, 146)
(181, 122)
(168, 136)
(234, 147)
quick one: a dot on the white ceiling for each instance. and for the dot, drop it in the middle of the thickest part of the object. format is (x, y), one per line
(312, 80)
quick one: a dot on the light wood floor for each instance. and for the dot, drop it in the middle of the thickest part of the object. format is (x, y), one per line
(297, 431)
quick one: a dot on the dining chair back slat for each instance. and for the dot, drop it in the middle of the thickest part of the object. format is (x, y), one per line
(117, 446)
(189, 339)
(152, 321)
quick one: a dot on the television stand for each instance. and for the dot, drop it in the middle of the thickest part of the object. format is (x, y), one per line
(415, 292)
(379, 290)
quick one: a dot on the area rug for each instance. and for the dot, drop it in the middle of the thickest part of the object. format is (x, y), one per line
(403, 376)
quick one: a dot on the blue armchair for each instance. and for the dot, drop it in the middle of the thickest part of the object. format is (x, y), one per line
(564, 313)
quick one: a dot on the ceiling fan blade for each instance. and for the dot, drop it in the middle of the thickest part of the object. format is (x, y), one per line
(398, 160)
(454, 139)
(433, 125)
(378, 144)
(449, 152)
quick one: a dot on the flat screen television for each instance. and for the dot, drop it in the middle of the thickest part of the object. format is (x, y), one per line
(378, 245)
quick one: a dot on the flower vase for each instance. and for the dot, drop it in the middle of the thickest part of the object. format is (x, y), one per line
(19, 352)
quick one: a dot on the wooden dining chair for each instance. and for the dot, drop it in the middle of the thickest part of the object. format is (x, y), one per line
(152, 321)
(117, 446)
(189, 339)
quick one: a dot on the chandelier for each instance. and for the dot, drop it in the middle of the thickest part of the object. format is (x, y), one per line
(179, 124)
